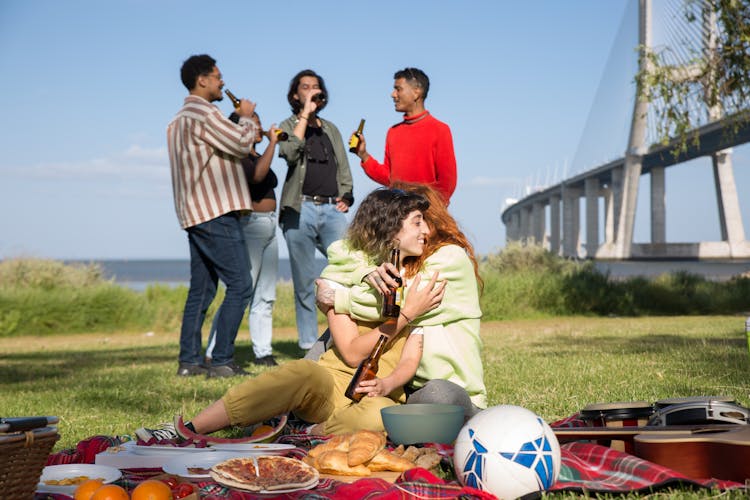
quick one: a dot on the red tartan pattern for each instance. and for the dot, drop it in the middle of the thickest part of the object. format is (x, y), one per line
(586, 467)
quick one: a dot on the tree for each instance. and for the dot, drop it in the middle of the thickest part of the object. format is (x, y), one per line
(718, 75)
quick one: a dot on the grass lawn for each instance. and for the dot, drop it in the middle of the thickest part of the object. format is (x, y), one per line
(113, 383)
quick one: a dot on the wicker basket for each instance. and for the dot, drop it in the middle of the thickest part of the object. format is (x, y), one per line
(23, 456)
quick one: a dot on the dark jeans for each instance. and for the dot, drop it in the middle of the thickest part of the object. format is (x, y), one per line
(217, 251)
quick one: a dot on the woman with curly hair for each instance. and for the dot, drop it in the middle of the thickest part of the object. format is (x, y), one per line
(450, 370)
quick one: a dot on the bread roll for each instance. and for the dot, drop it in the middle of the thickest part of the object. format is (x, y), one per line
(339, 442)
(385, 460)
(364, 445)
(335, 462)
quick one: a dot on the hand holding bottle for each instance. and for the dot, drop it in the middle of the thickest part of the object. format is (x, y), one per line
(246, 109)
(355, 139)
(373, 387)
(242, 106)
(383, 277)
(312, 104)
(275, 135)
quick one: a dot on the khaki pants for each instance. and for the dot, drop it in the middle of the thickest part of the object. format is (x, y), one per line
(312, 392)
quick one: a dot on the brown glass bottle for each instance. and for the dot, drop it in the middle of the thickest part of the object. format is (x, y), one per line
(392, 299)
(235, 101)
(354, 139)
(280, 135)
(319, 98)
(367, 370)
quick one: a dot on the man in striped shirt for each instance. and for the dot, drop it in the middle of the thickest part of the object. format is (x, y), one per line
(210, 192)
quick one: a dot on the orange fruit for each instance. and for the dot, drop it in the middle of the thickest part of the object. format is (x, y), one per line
(151, 489)
(87, 488)
(110, 492)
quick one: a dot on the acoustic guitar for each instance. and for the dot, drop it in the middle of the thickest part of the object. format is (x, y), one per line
(720, 451)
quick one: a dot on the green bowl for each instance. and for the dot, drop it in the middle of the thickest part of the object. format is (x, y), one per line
(423, 423)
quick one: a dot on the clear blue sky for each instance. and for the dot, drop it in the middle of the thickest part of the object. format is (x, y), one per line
(89, 87)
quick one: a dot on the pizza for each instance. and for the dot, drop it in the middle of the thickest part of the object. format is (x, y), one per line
(265, 473)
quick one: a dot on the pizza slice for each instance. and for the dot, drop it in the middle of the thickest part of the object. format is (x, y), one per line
(265, 473)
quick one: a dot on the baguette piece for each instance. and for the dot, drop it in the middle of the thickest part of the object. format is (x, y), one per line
(364, 445)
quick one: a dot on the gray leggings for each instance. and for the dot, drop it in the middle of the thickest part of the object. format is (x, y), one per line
(434, 391)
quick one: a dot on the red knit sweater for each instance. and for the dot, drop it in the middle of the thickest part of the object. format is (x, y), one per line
(420, 150)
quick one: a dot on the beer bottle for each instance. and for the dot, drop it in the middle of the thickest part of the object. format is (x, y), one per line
(367, 370)
(392, 299)
(319, 98)
(354, 139)
(235, 101)
(280, 135)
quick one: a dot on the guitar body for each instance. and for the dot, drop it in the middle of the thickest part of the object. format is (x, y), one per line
(719, 454)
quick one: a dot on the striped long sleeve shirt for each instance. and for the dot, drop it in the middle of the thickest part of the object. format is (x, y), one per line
(205, 149)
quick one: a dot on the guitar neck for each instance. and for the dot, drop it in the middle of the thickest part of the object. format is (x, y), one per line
(565, 434)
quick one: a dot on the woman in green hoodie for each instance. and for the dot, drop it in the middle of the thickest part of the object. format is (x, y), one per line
(450, 370)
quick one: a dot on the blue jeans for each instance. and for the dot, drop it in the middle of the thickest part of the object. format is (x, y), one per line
(217, 251)
(316, 227)
(259, 229)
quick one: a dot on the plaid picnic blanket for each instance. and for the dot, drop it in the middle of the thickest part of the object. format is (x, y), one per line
(586, 468)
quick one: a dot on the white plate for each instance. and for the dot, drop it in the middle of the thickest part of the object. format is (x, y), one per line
(255, 448)
(59, 472)
(270, 492)
(179, 464)
(167, 450)
(280, 492)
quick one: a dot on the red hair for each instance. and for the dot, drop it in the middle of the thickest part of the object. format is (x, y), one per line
(444, 229)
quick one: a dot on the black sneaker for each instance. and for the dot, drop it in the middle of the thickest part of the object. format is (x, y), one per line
(189, 370)
(166, 432)
(266, 361)
(230, 370)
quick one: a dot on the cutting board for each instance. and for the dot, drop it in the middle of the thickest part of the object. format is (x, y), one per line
(387, 475)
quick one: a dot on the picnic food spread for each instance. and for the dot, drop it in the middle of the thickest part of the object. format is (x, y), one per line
(265, 473)
(363, 452)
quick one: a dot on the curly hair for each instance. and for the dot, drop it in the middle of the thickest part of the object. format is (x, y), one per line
(444, 229)
(195, 66)
(379, 218)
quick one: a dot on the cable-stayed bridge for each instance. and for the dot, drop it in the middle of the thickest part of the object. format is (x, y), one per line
(689, 35)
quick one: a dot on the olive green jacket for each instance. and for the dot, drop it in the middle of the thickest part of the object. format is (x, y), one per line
(293, 151)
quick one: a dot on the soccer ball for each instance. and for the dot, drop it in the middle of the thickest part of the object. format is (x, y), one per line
(508, 451)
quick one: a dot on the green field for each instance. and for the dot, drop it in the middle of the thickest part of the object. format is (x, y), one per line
(557, 337)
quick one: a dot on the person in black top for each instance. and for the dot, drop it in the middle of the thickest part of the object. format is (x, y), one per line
(259, 228)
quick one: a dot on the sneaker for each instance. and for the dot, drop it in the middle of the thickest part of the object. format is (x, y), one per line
(166, 432)
(266, 361)
(189, 370)
(230, 370)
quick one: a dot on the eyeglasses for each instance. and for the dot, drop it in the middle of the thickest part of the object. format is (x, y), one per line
(215, 75)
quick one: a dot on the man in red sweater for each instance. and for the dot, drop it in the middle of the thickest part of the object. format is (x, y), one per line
(420, 148)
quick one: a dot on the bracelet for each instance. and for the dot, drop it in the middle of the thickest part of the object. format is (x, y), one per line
(408, 321)
(303, 117)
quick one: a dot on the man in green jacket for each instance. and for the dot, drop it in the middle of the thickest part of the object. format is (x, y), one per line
(317, 193)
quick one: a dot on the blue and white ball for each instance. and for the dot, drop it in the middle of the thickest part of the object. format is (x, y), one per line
(508, 451)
